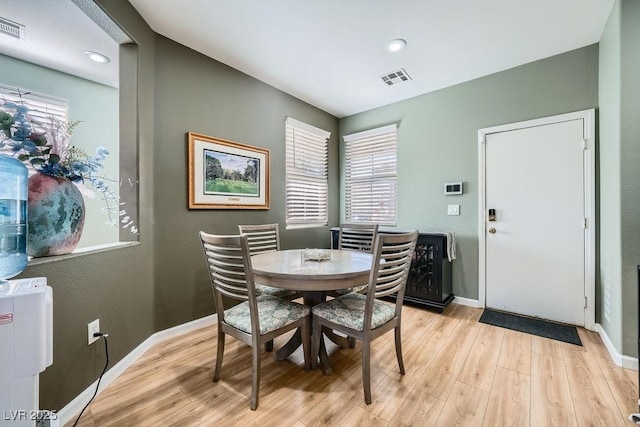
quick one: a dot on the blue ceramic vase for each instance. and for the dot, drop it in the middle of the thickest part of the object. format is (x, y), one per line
(55, 216)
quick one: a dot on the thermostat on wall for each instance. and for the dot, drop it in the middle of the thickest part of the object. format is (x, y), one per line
(452, 188)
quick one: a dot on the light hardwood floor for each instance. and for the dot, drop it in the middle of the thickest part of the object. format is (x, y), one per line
(459, 372)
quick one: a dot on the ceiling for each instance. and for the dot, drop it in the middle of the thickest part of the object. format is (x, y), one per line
(329, 53)
(57, 34)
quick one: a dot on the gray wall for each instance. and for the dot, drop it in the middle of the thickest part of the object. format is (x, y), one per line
(630, 171)
(94, 104)
(620, 175)
(197, 94)
(610, 291)
(438, 141)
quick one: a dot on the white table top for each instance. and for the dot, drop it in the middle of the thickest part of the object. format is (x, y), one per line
(285, 269)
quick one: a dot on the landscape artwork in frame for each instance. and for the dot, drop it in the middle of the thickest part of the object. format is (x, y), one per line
(227, 175)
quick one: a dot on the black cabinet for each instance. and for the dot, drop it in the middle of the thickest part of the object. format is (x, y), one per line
(429, 282)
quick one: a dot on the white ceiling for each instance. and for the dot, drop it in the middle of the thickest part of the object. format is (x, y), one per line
(330, 53)
(57, 35)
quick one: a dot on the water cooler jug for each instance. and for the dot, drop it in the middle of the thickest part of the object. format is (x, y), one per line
(13, 217)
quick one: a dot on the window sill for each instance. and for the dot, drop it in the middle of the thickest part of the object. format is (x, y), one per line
(301, 226)
(81, 252)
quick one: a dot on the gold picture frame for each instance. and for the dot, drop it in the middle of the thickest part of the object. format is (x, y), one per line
(226, 174)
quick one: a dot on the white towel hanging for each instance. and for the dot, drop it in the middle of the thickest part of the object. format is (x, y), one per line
(451, 242)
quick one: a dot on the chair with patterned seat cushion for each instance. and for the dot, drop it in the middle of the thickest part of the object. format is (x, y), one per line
(367, 317)
(266, 238)
(257, 319)
(353, 237)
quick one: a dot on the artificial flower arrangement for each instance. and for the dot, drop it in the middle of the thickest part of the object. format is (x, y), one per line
(45, 148)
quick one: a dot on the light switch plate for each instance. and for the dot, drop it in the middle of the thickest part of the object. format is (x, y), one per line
(453, 209)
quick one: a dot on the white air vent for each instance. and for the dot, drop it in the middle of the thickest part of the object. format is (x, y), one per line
(399, 76)
(12, 29)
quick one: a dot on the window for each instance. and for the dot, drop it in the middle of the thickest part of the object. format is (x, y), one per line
(371, 179)
(306, 175)
(41, 107)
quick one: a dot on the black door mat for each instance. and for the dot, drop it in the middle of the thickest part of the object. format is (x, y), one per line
(528, 325)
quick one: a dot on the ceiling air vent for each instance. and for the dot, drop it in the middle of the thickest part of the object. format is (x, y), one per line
(12, 29)
(399, 76)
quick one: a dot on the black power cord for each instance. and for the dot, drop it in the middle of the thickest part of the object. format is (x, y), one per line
(106, 351)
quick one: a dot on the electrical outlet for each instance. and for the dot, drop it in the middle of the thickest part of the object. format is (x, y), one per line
(92, 328)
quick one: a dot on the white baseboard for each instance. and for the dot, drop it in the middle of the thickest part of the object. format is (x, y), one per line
(619, 359)
(466, 301)
(73, 408)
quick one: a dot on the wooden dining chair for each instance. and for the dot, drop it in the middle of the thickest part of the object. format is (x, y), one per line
(266, 238)
(355, 237)
(367, 317)
(256, 319)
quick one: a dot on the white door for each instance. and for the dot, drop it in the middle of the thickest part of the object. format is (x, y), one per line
(535, 248)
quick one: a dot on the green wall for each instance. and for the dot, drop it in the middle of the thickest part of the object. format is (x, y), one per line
(630, 171)
(438, 141)
(195, 93)
(609, 291)
(94, 104)
(620, 175)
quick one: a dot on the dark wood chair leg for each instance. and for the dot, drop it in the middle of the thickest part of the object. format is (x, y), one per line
(268, 346)
(216, 374)
(255, 379)
(366, 370)
(399, 349)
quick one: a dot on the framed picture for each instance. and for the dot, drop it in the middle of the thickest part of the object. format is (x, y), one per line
(227, 175)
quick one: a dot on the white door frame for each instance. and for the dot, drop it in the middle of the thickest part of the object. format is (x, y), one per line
(589, 203)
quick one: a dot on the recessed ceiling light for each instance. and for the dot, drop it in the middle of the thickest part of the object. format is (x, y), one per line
(97, 57)
(395, 45)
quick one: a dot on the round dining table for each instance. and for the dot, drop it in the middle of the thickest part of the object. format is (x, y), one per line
(288, 269)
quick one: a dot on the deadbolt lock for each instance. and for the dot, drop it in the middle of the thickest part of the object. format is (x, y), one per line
(492, 230)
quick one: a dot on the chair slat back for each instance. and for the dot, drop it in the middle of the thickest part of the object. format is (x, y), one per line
(262, 237)
(390, 268)
(357, 237)
(229, 264)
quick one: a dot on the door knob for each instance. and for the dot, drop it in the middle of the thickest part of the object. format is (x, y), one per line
(492, 230)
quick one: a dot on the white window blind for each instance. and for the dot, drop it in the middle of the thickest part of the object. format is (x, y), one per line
(306, 174)
(41, 107)
(371, 178)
